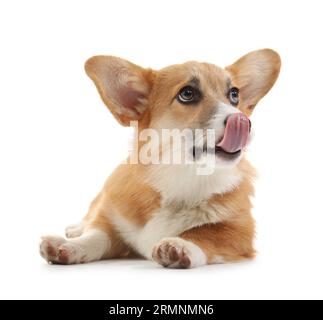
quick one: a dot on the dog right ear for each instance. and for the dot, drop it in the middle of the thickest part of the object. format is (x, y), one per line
(255, 74)
(123, 86)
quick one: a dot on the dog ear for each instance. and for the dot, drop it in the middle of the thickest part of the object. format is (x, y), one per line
(254, 74)
(123, 86)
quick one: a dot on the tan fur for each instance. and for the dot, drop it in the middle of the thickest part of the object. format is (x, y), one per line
(130, 196)
(135, 93)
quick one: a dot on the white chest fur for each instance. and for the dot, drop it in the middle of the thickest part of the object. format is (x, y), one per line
(182, 184)
(184, 206)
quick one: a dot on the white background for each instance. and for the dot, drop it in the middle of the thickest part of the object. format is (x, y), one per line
(58, 143)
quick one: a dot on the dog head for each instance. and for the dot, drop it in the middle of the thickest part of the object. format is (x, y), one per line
(193, 96)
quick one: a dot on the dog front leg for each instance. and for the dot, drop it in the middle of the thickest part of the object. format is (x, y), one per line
(97, 241)
(207, 244)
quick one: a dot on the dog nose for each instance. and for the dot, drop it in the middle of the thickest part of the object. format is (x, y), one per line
(226, 120)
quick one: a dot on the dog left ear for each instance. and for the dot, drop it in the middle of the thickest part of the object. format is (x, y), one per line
(254, 74)
(123, 86)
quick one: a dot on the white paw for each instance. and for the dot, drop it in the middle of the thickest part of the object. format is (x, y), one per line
(58, 250)
(178, 253)
(74, 230)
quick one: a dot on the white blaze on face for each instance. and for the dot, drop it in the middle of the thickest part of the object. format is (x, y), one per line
(215, 130)
(217, 121)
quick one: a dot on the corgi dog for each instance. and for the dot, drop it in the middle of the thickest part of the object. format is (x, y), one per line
(185, 213)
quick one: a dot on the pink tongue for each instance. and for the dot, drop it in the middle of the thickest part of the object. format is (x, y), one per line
(236, 133)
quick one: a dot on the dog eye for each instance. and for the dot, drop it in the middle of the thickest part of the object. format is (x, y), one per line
(233, 96)
(188, 95)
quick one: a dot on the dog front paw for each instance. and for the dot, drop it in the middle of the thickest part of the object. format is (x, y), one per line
(57, 250)
(178, 253)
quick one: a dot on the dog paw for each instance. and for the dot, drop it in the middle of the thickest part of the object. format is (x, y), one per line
(57, 250)
(178, 253)
(74, 230)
